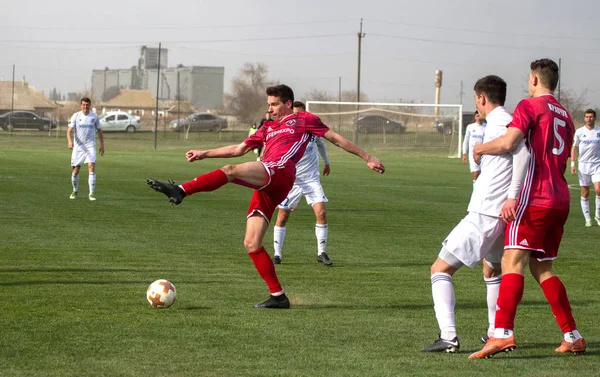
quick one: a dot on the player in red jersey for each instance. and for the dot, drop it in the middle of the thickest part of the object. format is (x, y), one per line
(285, 138)
(535, 225)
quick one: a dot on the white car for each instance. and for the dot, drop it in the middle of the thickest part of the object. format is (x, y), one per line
(119, 121)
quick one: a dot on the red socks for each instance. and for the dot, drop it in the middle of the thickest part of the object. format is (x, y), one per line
(509, 297)
(556, 294)
(266, 269)
(206, 182)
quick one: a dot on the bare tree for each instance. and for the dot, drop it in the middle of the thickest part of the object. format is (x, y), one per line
(575, 104)
(111, 93)
(247, 99)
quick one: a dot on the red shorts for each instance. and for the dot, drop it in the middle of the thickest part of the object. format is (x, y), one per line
(266, 199)
(537, 229)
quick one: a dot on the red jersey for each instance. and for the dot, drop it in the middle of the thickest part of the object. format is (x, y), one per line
(548, 130)
(285, 141)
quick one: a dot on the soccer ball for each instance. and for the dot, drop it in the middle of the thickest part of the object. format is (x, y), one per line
(161, 294)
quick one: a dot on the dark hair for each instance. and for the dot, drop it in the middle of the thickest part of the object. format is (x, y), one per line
(85, 99)
(590, 111)
(299, 104)
(493, 87)
(547, 71)
(476, 112)
(284, 92)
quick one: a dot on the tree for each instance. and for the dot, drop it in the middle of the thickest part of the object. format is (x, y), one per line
(575, 104)
(110, 93)
(247, 99)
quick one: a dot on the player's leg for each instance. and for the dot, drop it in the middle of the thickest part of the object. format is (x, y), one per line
(279, 231)
(92, 179)
(75, 181)
(321, 232)
(584, 183)
(492, 275)
(596, 181)
(475, 168)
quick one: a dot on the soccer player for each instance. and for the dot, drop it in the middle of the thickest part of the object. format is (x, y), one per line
(84, 124)
(473, 134)
(480, 234)
(307, 184)
(587, 143)
(285, 139)
(536, 225)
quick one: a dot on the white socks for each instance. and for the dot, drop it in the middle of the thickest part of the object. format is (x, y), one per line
(493, 287)
(585, 207)
(92, 182)
(572, 336)
(321, 231)
(278, 237)
(75, 181)
(597, 206)
(444, 301)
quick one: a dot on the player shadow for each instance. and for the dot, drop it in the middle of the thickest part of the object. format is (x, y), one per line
(424, 306)
(65, 270)
(92, 282)
(190, 308)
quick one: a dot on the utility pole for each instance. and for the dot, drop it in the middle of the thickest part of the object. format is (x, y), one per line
(361, 35)
(462, 93)
(559, 78)
(178, 99)
(12, 98)
(339, 105)
(157, 91)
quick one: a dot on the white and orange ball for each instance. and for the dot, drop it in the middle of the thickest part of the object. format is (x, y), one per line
(161, 294)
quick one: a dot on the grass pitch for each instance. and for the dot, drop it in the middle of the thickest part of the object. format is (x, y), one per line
(73, 273)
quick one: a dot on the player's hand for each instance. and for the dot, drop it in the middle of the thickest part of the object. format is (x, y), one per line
(102, 150)
(374, 164)
(326, 170)
(195, 155)
(477, 153)
(70, 145)
(508, 211)
(573, 170)
(464, 158)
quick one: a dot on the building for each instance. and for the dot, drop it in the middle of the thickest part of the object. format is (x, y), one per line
(110, 80)
(25, 98)
(136, 102)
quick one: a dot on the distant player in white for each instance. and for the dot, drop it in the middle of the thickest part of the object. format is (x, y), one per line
(587, 142)
(473, 134)
(307, 184)
(84, 125)
(481, 233)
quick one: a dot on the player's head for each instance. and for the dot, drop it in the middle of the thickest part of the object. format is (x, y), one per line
(490, 92)
(86, 105)
(280, 99)
(299, 107)
(589, 117)
(543, 76)
(477, 117)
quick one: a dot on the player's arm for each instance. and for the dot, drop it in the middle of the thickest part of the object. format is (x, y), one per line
(520, 167)
(465, 146)
(323, 152)
(70, 129)
(372, 162)
(100, 137)
(229, 151)
(504, 144)
(574, 151)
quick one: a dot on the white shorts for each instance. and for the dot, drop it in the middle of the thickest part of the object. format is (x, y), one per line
(588, 173)
(472, 165)
(476, 237)
(83, 155)
(312, 191)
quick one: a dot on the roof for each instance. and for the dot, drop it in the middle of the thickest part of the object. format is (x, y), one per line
(183, 106)
(134, 99)
(25, 97)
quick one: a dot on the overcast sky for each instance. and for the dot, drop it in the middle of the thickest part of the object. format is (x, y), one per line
(311, 44)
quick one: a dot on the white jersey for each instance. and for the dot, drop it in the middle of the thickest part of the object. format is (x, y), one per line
(307, 169)
(85, 130)
(473, 134)
(491, 188)
(588, 142)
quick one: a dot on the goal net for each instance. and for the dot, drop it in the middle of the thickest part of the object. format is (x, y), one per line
(421, 129)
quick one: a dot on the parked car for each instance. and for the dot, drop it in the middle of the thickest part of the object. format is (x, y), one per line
(372, 123)
(448, 125)
(25, 119)
(119, 121)
(199, 122)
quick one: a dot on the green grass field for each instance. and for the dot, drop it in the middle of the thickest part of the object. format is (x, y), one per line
(73, 273)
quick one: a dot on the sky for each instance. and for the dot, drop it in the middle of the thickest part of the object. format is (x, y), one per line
(312, 45)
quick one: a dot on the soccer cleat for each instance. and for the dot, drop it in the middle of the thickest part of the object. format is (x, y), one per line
(171, 190)
(597, 218)
(92, 197)
(276, 259)
(484, 339)
(323, 258)
(443, 345)
(588, 223)
(274, 302)
(577, 347)
(494, 346)
(73, 195)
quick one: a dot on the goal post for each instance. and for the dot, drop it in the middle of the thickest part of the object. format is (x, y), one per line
(417, 128)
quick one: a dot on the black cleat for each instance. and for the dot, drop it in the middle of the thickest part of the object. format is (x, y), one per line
(484, 339)
(323, 258)
(171, 190)
(276, 259)
(274, 302)
(442, 345)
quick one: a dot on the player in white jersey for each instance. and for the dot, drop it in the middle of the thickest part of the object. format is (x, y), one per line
(473, 134)
(481, 233)
(307, 184)
(84, 125)
(587, 143)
